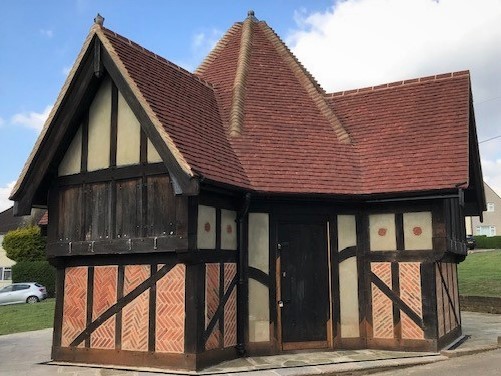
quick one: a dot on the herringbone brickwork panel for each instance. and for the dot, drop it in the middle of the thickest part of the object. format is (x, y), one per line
(230, 320)
(211, 304)
(410, 293)
(440, 303)
(230, 309)
(74, 305)
(105, 295)
(382, 306)
(135, 315)
(170, 311)
(456, 292)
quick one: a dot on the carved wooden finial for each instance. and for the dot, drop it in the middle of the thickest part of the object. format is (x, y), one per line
(99, 20)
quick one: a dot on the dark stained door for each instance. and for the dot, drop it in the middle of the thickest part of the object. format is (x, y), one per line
(304, 285)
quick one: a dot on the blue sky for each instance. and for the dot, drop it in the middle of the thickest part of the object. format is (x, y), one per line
(346, 44)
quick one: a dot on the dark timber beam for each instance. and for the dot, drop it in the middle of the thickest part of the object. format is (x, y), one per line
(187, 184)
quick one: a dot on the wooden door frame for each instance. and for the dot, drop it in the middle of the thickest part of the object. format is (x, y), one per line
(304, 219)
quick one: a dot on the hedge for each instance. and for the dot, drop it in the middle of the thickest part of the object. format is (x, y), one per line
(488, 242)
(24, 244)
(36, 271)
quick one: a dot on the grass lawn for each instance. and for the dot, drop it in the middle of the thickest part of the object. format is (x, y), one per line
(25, 317)
(480, 274)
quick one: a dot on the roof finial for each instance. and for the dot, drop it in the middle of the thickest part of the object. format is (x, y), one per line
(251, 15)
(99, 20)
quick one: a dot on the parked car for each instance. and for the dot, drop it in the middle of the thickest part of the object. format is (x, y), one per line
(29, 292)
(471, 243)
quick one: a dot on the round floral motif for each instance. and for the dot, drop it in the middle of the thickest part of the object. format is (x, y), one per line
(417, 230)
(382, 231)
(229, 229)
(207, 227)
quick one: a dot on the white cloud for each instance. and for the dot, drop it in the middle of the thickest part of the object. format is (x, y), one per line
(359, 43)
(205, 41)
(5, 203)
(201, 44)
(47, 33)
(33, 120)
(66, 71)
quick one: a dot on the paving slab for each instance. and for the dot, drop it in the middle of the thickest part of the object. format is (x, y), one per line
(29, 354)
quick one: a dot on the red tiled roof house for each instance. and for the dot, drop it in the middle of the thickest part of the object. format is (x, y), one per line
(195, 217)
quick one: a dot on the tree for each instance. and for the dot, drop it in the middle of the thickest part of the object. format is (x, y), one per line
(25, 244)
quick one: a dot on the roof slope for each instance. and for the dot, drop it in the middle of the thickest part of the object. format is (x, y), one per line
(290, 141)
(186, 108)
(252, 117)
(411, 135)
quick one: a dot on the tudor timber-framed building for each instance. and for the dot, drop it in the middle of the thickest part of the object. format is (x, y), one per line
(241, 209)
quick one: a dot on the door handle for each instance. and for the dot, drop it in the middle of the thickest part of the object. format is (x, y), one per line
(280, 303)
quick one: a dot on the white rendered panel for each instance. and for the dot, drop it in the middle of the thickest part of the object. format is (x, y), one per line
(259, 241)
(99, 129)
(153, 156)
(348, 298)
(259, 312)
(72, 160)
(418, 231)
(206, 234)
(128, 134)
(228, 230)
(346, 231)
(382, 232)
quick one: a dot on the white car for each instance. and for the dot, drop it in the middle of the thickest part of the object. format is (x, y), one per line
(30, 292)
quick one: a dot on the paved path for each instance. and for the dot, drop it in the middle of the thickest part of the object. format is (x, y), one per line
(485, 364)
(27, 353)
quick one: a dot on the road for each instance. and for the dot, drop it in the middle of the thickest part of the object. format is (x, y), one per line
(483, 364)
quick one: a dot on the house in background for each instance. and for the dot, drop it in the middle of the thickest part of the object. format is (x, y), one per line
(9, 222)
(241, 209)
(490, 224)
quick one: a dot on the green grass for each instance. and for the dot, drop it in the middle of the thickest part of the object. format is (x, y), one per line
(17, 318)
(480, 274)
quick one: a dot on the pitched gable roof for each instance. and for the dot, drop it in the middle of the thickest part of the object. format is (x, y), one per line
(185, 108)
(181, 108)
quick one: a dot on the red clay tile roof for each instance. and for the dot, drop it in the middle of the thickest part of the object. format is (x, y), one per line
(287, 144)
(187, 109)
(405, 136)
(411, 135)
(252, 116)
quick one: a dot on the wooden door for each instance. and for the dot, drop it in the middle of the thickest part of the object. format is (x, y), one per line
(303, 285)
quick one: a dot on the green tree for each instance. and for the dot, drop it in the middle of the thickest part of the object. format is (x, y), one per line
(25, 244)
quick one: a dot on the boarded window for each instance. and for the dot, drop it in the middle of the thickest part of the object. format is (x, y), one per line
(128, 211)
(70, 214)
(97, 211)
(161, 213)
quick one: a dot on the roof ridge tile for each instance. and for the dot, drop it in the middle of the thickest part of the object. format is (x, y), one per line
(407, 82)
(237, 111)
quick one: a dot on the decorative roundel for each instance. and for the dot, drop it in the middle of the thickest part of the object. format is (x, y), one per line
(382, 231)
(229, 229)
(417, 230)
(207, 227)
